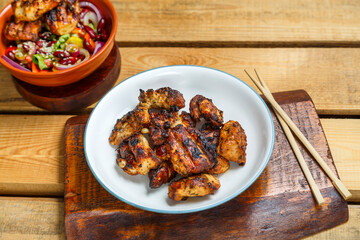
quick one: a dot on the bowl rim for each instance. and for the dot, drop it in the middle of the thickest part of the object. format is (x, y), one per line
(62, 72)
(237, 193)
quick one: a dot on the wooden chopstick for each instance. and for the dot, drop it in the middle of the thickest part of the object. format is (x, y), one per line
(314, 188)
(336, 182)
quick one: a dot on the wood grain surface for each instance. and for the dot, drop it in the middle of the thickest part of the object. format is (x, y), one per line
(32, 163)
(327, 74)
(232, 22)
(31, 218)
(43, 218)
(294, 44)
(279, 204)
(30, 167)
(344, 140)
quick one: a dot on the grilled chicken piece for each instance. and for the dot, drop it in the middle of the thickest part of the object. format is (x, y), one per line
(188, 153)
(24, 31)
(163, 174)
(136, 156)
(185, 120)
(202, 107)
(126, 159)
(194, 186)
(232, 142)
(179, 158)
(167, 98)
(221, 166)
(145, 157)
(134, 121)
(129, 124)
(64, 18)
(212, 138)
(31, 10)
(160, 123)
(163, 152)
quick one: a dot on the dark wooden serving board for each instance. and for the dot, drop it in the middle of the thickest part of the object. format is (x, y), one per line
(279, 205)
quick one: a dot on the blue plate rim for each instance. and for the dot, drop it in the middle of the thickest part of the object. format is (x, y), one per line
(194, 209)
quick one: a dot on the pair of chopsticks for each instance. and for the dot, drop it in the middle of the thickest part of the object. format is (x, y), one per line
(288, 124)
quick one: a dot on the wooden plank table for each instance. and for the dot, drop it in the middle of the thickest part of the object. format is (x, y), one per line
(311, 45)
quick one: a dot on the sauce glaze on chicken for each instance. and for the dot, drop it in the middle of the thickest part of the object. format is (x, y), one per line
(156, 140)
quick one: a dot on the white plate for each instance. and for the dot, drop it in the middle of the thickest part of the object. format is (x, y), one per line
(238, 101)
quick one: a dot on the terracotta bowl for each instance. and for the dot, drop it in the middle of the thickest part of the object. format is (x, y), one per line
(71, 75)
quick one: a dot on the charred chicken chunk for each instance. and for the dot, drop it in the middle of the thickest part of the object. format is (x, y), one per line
(64, 18)
(126, 160)
(182, 163)
(160, 123)
(136, 157)
(31, 10)
(134, 121)
(212, 138)
(24, 31)
(163, 152)
(145, 157)
(129, 124)
(232, 143)
(194, 186)
(188, 153)
(185, 120)
(167, 98)
(163, 174)
(202, 107)
(221, 166)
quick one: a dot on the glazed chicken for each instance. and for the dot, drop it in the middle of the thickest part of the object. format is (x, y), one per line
(129, 124)
(24, 31)
(212, 138)
(163, 174)
(193, 186)
(64, 18)
(161, 122)
(126, 160)
(162, 98)
(188, 152)
(134, 121)
(175, 145)
(185, 120)
(202, 107)
(143, 160)
(232, 142)
(31, 10)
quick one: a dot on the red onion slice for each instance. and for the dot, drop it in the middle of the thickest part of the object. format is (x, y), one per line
(73, 49)
(14, 64)
(83, 12)
(90, 17)
(92, 7)
(98, 46)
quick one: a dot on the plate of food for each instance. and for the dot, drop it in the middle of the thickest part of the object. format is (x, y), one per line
(179, 139)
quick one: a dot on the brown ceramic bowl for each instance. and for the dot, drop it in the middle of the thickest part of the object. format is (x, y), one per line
(71, 75)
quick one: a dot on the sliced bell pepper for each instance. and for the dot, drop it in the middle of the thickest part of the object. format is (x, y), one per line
(34, 68)
(80, 32)
(76, 40)
(89, 44)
